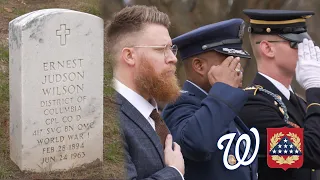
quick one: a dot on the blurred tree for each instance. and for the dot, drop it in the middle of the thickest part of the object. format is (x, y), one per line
(187, 15)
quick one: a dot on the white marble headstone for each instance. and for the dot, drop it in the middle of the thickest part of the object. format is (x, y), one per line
(56, 89)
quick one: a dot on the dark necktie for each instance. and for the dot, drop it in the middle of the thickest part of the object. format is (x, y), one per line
(293, 99)
(295, 102)
(161, 127)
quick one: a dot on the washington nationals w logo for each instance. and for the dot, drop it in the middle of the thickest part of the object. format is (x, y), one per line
(231, 162)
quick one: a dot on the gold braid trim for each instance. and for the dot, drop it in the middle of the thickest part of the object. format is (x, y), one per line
(255, 88)
(313, 104)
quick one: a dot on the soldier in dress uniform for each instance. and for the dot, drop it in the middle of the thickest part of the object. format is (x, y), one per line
(210, 101)
(282, 48)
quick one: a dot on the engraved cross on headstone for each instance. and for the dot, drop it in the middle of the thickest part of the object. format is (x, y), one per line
(63, 32)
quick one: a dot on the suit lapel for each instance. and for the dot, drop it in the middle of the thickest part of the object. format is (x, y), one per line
(134, 115)
(303, 105)
(294, 115)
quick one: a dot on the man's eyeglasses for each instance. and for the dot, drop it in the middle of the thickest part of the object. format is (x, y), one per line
(167, 49)
(293, 45)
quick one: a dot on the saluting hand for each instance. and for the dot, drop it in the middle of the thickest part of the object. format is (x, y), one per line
(308, 65)
(226, 72)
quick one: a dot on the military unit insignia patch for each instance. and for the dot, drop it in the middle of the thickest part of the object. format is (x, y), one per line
(285, 147)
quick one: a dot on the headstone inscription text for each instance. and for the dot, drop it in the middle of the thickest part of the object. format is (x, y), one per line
(56, 89)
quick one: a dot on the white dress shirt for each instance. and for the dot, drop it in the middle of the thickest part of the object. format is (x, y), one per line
(198, 87)
(141, 104)
(285, 91)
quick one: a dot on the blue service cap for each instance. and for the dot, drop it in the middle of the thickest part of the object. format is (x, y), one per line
(224, 37)
(288, 24)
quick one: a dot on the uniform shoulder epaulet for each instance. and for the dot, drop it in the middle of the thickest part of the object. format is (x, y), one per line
(254, 88)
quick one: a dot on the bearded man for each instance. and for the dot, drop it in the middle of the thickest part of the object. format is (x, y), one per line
(144, 73)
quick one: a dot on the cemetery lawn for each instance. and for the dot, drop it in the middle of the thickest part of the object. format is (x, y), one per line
(112, 166)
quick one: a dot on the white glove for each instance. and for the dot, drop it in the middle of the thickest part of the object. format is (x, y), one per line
(308, 65)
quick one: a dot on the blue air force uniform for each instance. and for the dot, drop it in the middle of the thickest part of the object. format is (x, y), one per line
(198, 119)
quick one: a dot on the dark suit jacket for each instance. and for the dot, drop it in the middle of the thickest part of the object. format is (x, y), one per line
(197, 121)
(144, 156)
(261, 112)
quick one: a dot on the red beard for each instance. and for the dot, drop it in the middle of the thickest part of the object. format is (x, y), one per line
(163, 87)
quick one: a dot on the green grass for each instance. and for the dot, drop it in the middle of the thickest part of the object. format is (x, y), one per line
(4, 54)
(91, 7)
(4, 172)
(20, 11)
(91, 10)
(113, 152)
(108, 75)
(3, 143)
(113, 161)
(4, 83)
(4, 88)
